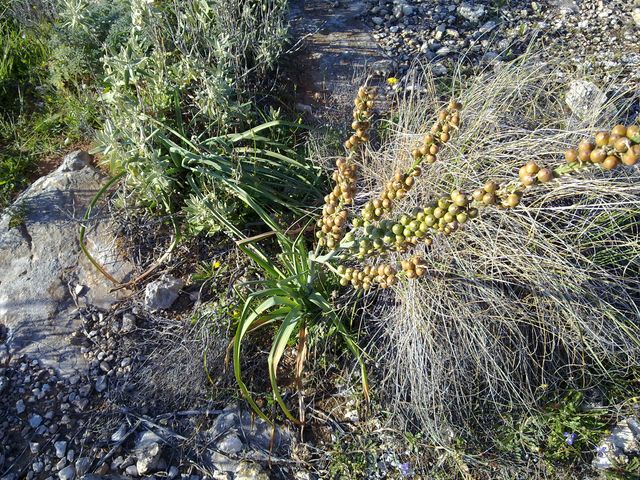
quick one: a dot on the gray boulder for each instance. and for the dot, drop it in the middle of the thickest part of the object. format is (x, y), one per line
(41, 262)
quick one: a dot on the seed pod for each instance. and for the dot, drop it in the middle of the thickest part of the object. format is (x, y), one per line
(444, 136)
(528, 180)
(532, 168)
(416, 154)
(523, 171)
(461, 200)
(602, 139)
(620, 130)
(434, 149)
(586, 145)
(630, 157)
(478, 194)
(621, 145)
(416, 172)
(610, 162)
(633, 133)
(598, 155)
(513, 200)
(490, 187)
(489, 198)
(545, 175)
(571, 156)
(429, 138)
(584, 155)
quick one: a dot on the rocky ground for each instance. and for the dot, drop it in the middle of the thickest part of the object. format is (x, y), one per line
(593, 37)
(73, 360)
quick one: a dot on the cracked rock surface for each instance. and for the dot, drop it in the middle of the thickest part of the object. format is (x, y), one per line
(43, 268)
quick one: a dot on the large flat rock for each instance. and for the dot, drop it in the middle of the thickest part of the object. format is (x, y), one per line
(41, 264)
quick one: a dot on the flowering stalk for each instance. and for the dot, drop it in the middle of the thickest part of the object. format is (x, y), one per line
(372, 235)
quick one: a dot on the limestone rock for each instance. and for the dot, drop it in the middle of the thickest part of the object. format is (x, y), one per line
(39, 260)
(585, 99)
(471, 12)
(160, 294)
(148, 452)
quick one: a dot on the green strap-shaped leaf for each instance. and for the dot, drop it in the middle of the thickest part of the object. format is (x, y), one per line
(277, 350)
(245, 323)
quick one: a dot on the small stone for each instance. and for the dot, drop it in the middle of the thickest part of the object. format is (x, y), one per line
(473, 13)
(585, 99)
(71, 455)
(67, 473)
(35, 420)
(34, 447)
(377, 20)
(61, 448)
(407, 10)
(37, 466)
(173, 472)
(101, 383)
(438, 69)
(148, 452)
(79, 289)
(128, 323)
(20, 407)
(82, 465)
(230, 444)
(131, 470)
(160, 294)
(119, 434)
(635, 14)
(4, 381)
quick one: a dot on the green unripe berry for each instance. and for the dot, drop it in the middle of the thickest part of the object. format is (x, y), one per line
(448, 217)
(397, 229)
(461, 217)
(430, 220)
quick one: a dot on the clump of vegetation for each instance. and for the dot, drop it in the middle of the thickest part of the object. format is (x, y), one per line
(539, 287)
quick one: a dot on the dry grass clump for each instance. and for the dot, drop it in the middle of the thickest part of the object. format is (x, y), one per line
(540, 295)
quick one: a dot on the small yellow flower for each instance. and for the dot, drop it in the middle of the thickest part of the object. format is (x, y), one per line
(392, 81)
(216, 264)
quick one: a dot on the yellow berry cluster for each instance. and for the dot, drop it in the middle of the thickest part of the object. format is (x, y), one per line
(334, 217)
(381, 275)
(609, 149)
(448, 120)
(413, 268)
(447, 214)
(362, 114)
(398, 187)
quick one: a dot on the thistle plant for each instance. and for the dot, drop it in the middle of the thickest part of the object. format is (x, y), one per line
(375, 232)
